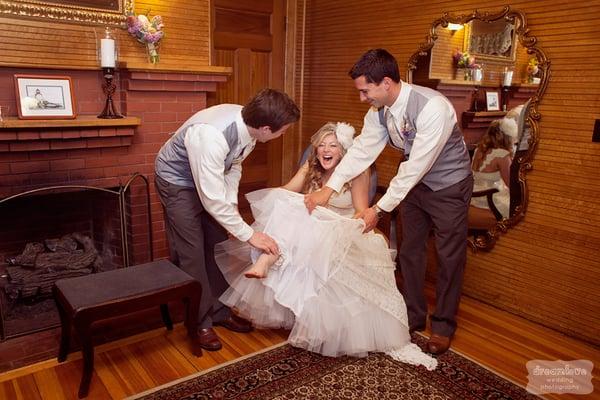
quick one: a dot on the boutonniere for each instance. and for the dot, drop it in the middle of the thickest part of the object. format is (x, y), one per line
(407, 130)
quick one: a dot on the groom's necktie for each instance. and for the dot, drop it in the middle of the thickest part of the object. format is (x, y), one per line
(392, 126)
(244, 151)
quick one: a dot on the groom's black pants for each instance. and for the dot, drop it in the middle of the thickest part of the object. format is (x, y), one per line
(446, 212)
(192, 234)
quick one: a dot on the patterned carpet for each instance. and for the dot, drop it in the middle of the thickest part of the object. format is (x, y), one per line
(285, 372)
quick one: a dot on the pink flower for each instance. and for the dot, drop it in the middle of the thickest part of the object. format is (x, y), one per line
(145, 30)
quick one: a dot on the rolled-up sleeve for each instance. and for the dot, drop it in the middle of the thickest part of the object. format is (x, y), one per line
(363, 152)
(207, 150)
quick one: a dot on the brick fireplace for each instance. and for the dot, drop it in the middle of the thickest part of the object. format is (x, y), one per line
(93, 153)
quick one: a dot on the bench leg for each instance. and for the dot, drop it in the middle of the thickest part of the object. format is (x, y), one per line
(192, 305)
(65, 329)
(166, 317)
(87, 349)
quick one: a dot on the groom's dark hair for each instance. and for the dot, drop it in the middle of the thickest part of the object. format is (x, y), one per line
(375, 65)
(271, 108)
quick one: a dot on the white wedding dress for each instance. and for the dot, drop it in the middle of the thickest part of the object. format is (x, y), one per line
(490, 180)
(333, 286)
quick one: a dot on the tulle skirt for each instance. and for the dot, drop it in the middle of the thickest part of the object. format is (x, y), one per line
(333, 286)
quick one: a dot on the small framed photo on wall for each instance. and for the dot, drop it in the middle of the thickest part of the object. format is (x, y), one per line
(44, 97)
(492, 100)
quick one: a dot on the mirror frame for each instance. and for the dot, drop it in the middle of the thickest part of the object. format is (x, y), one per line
(67, 12)
(486, 242)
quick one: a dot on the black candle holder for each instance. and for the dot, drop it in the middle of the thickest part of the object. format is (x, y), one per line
(109, 88)
(505, 96)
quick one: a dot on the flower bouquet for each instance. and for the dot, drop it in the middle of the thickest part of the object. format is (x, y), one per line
(466, 62)
(532, 69)
(147, 31)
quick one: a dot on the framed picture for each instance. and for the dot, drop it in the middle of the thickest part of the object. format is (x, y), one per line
(492, 100)
(44, 97)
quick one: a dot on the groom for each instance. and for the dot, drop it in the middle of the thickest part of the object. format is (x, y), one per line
(433, 186)
(198, 171)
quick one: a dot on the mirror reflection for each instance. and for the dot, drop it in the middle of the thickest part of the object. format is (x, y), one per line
(496, 106)
(491, 40)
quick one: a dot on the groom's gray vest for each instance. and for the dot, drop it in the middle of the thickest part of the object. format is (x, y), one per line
(172, 163)
(453, 164)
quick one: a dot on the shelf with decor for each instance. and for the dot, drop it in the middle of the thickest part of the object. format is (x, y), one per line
(82, 121)
(478, 119)
(85, 131)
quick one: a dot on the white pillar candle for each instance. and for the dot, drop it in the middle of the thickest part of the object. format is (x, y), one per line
(507, 78)
(107, 53)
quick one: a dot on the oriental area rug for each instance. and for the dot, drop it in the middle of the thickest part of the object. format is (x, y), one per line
(285, 372)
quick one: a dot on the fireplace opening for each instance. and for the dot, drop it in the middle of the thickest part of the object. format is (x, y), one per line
(55, 234)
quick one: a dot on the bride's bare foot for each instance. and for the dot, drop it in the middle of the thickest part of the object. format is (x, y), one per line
(261, 266)
(255, 273)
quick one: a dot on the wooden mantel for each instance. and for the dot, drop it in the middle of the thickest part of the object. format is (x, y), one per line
(80, 121)
(167, 67)
(176, 68)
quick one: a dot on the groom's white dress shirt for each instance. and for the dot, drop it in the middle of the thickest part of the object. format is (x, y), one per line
(218, 189)
(434, 126)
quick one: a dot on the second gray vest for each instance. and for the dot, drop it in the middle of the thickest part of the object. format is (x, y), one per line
(452, 165)
(172, 163)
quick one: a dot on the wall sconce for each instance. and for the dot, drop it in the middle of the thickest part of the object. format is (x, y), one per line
(107, 54)
(455, 27)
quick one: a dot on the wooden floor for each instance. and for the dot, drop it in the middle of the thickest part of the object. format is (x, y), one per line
(495, 339)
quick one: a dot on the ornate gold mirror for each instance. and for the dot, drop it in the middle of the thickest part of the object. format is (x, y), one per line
(104, 12)
(516, 78)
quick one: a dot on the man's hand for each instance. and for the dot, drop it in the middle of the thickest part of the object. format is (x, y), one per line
(264, 242)
(318, 198)
(370, 217)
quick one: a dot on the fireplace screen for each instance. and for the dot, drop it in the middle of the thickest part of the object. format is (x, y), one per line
(55, 233)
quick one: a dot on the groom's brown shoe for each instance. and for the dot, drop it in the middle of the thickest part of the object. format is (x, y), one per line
(416, 328)
(438, 344)
(208, 339)
(236, 324)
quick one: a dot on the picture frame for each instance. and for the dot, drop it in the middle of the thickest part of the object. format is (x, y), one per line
(44, 97)
(492, 100)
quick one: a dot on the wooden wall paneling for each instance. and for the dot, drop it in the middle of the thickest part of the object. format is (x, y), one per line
(555, 288)
(251, 38)
(276, 65)
(292, 140)
(226, 91)
(27, 42)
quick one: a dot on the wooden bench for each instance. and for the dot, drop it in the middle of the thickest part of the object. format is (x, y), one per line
(84, 300)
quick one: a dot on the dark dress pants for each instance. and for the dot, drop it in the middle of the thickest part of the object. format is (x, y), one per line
(192, 234)
(446, 211)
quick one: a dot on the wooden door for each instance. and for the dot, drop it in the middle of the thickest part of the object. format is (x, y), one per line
(249, 36)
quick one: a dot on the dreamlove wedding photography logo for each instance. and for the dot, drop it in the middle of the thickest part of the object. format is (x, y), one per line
(558, 376)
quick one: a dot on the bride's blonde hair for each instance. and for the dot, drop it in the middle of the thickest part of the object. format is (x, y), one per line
(313, 179)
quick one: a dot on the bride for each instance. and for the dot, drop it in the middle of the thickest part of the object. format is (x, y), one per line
(332, 285)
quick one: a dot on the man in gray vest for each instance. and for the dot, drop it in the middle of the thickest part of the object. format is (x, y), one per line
(198, 171)
(434, 184)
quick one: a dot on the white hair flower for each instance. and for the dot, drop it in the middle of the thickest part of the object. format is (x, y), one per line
(509, 127)
(345, 134)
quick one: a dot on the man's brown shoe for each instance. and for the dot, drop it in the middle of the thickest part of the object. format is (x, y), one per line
(438, 344)
(236, 324)
(416, 328)
(208, 339)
